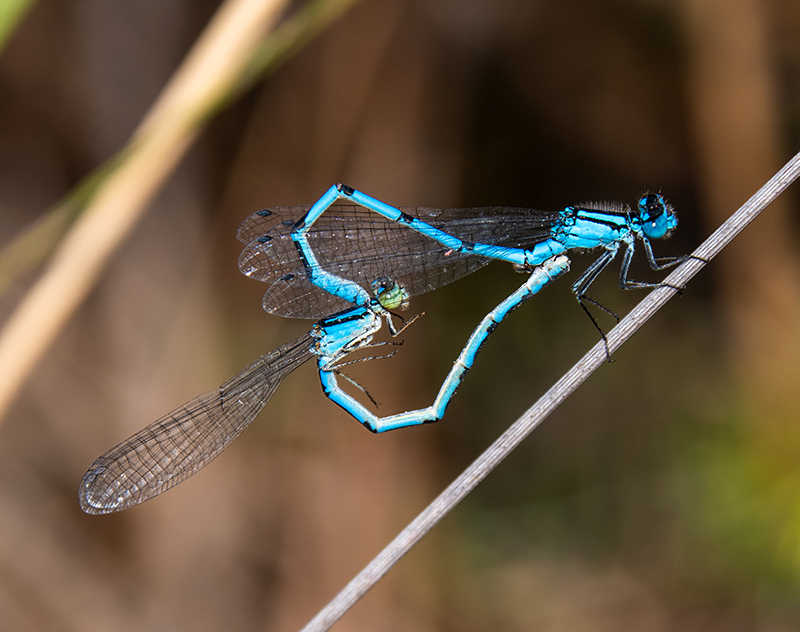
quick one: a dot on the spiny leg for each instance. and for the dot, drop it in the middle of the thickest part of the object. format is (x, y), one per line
(581, 286)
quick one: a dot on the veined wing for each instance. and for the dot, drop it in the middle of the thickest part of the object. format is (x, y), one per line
(170, 450)
(359, 245)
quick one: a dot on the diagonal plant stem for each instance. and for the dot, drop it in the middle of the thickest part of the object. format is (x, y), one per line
(120, 199)
(36, 242)
(228, 57)
(521, 428)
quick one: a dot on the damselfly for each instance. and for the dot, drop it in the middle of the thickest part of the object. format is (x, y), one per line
(304, 252)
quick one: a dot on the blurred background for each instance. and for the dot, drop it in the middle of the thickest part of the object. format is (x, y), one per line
(664, 495)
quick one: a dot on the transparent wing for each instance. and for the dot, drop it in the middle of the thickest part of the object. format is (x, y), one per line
(170, 450)
(360, 245)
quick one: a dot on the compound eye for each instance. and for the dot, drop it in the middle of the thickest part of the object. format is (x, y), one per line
(654, 216)
(380, 285)
(652, 206)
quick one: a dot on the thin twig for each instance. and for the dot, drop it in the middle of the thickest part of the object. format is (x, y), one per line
(521, 428)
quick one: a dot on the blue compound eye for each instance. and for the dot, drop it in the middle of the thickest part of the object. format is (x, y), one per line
(657, 219)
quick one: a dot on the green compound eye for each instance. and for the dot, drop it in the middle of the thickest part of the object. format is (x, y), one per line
(389, 293)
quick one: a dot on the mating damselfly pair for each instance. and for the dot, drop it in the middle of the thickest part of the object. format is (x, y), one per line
(348, 261)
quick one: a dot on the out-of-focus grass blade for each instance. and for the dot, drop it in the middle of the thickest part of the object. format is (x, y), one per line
(11, 13)
(292, 36)
(110, 202)
(36, 243)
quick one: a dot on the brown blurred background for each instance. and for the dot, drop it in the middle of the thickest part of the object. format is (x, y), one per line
(664, 495)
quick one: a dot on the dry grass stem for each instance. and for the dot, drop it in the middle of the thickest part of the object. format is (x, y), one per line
(212, 68)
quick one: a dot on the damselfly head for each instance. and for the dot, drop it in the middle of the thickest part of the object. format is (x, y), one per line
(657, 217)
(390, 294)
